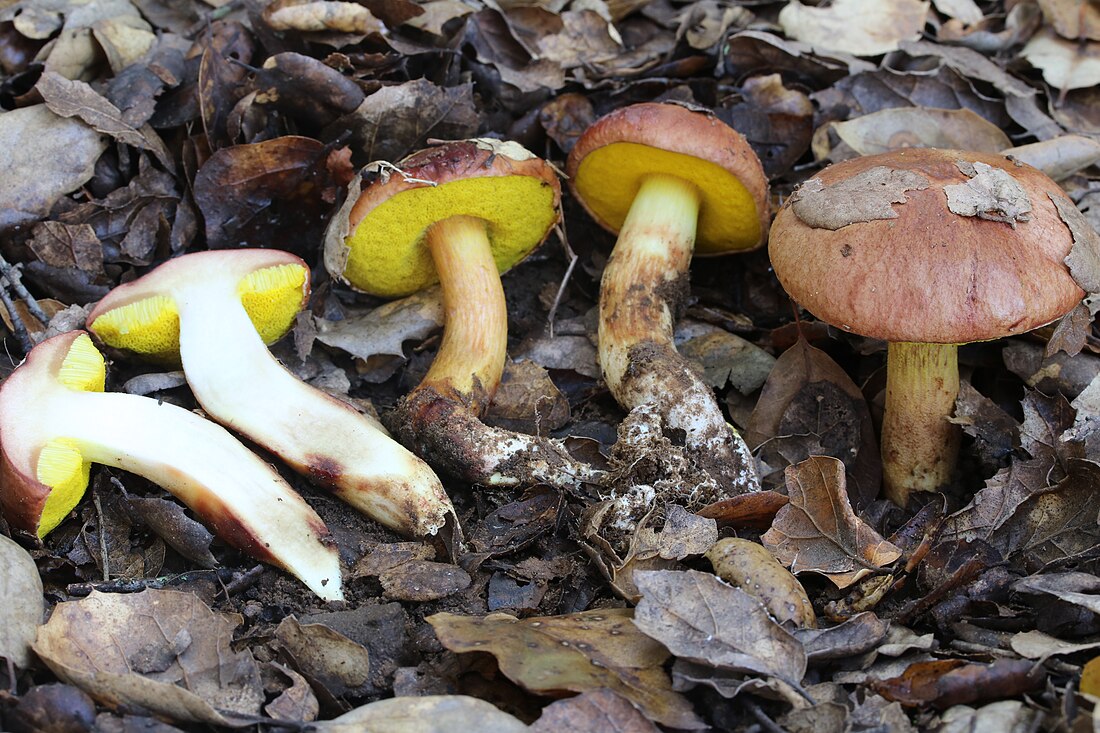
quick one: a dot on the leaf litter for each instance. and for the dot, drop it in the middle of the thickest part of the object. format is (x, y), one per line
(139, 130)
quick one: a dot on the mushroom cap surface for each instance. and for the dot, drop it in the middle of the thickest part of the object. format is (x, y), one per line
(514, 192)
(607, 165)
(927, 245)
(141, 316)
(42, 477)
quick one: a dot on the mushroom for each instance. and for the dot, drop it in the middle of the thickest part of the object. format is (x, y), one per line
(671, 181)
(214, 311)
(458, 214)
(55, 421)
(926, 249)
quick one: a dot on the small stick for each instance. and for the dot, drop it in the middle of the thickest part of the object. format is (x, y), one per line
(102, 537)
(17, 326)
(11, 273)
(572, 256)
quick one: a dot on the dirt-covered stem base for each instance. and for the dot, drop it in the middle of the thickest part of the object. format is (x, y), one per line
(919, 445)
(641, 295)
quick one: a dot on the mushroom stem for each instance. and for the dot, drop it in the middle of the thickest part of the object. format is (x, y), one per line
(644, 285)
(236, 379)
(471, 358)
(919, 445)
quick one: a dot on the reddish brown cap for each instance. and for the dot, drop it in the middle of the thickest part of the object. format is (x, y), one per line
(927, 245)
(607, 164)
(515, 193)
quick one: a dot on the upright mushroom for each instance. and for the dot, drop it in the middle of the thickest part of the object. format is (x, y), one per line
(672, 181)
(55, 421)
(214, 311)
(459, 214)
(926, 249)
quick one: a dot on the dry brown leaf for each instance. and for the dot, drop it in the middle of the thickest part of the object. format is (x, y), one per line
(296, 702)
(1006, 715)
(966, 11)
(527, 401)
(724, 357)
(1059, 157)
(330, 660)
(314, 17)
(61, 152)
(746, 565)
(818, 531)
(21, 586)
(810, 406)
(1073, 19)
(428, 714)
(915, 127)
(596, 710)
(746, 511)
(948, 682)
(858, 27)
(703, 620)
(574, 653)
(161, 650)
(437, 13)
(857, 635)
(1065, 64)
(423, 580)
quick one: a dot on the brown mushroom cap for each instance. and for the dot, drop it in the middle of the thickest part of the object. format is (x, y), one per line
(608, 162)
(927, 245)
(514, 192)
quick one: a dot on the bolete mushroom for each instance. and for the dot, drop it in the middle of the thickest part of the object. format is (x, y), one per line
(458, 214)
(214, 311)
(55, 421)
(926, 249)
(672, 181)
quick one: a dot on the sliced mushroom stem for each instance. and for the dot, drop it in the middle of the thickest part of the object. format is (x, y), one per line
(919, 445)
(236, 378)
(471, 358)
(63, 423)
(644, 285)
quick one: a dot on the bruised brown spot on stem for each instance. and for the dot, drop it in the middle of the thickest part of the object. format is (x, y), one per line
(324, 470)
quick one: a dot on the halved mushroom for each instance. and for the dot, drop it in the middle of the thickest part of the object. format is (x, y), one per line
(214, 311)
(55, 421)
(460, 214)
(672, 182)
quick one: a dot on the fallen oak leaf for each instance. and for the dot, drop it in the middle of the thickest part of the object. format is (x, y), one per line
(818, 531)
(703, 620)
(22, 612)
(428, 714)
(575, 653)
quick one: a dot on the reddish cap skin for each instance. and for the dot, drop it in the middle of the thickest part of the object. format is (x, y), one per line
(677, 129)
(453, 161)
(931, 275)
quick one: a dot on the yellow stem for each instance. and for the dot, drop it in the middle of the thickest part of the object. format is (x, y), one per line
(919, 445)
(471, 358)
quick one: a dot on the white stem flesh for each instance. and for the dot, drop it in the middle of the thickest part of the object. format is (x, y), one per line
(209, 470)
(241, 385)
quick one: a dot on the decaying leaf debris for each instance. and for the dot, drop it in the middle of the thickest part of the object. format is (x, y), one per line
(633, 595)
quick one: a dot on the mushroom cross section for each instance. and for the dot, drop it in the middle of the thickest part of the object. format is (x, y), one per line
(926, 249)
(458, 214)
(672, 182)
(55, 421)
(214, 311)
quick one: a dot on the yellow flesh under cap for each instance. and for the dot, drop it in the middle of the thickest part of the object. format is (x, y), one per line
(272, 296)
(387, 251)
(610, 176)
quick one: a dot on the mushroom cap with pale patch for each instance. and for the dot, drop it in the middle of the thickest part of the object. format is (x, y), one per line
(929, 246)
(42, 477)
(609, 161)
(142, 316)
(514, 192)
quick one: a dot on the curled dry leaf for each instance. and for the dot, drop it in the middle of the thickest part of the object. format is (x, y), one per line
(423, 580)
(858, 27)
(948, 682)
(161, 650)
(574, 653)
(330, 660)
(1059, 157)
(912, 127)
(527, 401)
(746, 565)
(1006, 715)
(296, 702)
(21, 586)
(703, 620)
(313, 17)
(819, 532)
(429, 714)
(1065, 64)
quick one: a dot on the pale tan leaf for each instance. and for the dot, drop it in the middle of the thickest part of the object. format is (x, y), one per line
(858, 27)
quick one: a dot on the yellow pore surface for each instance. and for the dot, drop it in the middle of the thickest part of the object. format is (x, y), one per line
(150, 327)
(609, 177)
(60, 465)
(387, 251)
